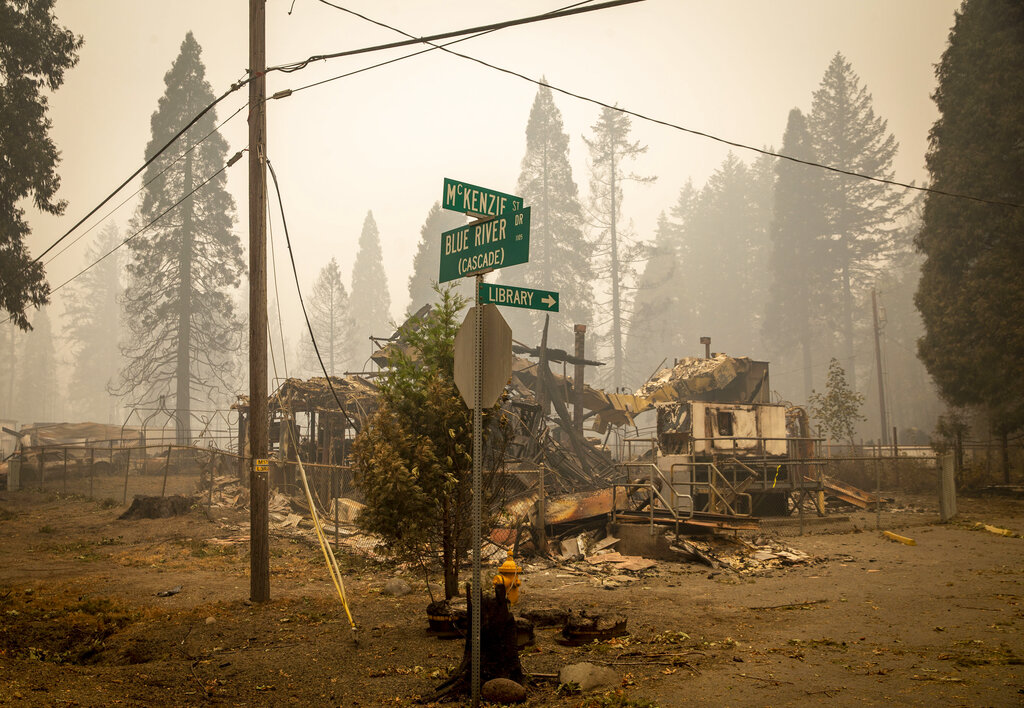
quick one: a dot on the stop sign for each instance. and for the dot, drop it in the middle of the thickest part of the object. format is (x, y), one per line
(496, 360)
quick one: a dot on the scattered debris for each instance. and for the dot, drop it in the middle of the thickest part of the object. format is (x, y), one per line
(849, 493)
(546, 617)
(634, 563)
(900, 539)
(583, 627)
(145, 507)
(996, 530)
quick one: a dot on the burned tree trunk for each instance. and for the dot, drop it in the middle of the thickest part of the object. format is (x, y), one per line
(499, 652)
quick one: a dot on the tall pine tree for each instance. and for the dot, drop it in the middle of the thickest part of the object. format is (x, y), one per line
(182, 328)
(558, 250)
(34, 54)
(610, 149)
(725, 248)
(658, 327)
(425, 264)
(93, 329)
(860, 214)
(799, 264)
(36, 387)
(971, 292)
(330, 316)
(371, 303)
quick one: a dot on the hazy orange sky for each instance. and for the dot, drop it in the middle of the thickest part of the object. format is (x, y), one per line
(385, 139)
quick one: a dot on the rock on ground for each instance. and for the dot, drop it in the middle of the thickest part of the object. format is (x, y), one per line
(588, 676)
(397, 587)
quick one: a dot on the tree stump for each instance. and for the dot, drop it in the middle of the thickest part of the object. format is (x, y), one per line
(157, 507)
(499, 651)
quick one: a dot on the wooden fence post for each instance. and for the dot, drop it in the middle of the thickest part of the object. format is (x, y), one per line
(167, 465)
(127, 466)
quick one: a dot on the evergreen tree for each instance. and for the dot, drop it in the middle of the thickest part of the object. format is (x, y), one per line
(371, 303)
(971, 293)
(558, 249)
(93, 330)
(725, 246)
(413, 459)
(182, 328)
(36, 387)
(799, 258)
(610, 148)
(860, 214)
(34, 54)
(10, 334)
(330, 316)
(659, 325)
(426, 262)
(659, 297)
(838, 408)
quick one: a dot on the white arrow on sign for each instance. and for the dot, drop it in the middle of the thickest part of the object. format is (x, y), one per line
(549, 301)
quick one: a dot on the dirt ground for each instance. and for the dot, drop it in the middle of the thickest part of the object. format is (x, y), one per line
(868, 621)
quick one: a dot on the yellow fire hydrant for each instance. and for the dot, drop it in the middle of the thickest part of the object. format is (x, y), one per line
(508, 575)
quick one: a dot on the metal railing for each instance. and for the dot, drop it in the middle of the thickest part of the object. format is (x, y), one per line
(653, 487)
(714, 484)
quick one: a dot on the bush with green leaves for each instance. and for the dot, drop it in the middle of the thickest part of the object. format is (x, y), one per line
(414, 456)
(838, 408)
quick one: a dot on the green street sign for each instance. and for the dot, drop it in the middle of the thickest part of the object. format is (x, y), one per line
(477, 201)
(511, 296)
(485, 245)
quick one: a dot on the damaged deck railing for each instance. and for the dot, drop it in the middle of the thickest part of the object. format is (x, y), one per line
(714, 484)
(655, 481)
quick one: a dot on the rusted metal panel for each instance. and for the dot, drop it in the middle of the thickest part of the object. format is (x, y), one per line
(582, 505)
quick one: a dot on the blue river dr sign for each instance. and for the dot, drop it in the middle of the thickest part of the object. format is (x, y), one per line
(486, 245)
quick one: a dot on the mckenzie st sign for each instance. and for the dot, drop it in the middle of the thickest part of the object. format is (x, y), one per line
(511, 296)
(477, 201)
(486, 245)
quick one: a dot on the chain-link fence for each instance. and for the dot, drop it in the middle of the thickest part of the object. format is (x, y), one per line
(120, 473)
(217, 477)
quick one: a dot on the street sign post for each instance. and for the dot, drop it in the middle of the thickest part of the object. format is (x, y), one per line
(485, 245)
(499, 241)
(477, 201)
(526, 298)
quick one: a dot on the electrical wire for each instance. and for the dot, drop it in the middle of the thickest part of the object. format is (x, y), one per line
(302, 302)
(234, 87)
(297, 66)
(332, 562)
(574, 10)
(144, 185)
(156, 218)
(691, 131)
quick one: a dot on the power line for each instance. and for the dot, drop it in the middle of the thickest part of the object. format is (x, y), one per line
(156, 218)
(281, 94)
(234, 87)
(144, 185)
(302, 302)
(572, 10)
(699, 133)
(297, 66)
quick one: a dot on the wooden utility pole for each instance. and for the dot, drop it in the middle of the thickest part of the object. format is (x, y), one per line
(259, 526)
(878, 367)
